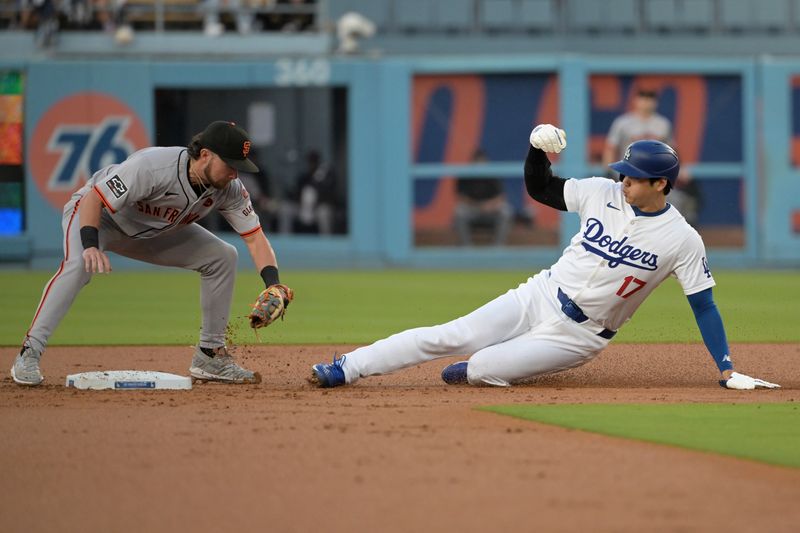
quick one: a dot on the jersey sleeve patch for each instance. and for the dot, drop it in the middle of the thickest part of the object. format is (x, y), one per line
(116, 186)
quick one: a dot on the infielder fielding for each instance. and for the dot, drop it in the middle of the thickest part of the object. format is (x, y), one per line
(145, 208)
(630, 241)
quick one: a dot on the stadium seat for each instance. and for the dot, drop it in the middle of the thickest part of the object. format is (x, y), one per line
(796, 15)
(608, 16)
(538, 15)
(414, 15)
(771, 15)
(735, 15)
(498, 15)
(661, 15)
(454, 15)
(697, 15)
(585, 15)
(620, 15)
(755, 15)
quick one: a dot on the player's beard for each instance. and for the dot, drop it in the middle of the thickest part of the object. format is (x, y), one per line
(210, 182)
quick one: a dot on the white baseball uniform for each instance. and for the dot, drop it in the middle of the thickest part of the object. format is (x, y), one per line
(150, 208)
(563, 316)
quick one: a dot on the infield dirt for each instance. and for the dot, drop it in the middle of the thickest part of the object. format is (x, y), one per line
(393, 453)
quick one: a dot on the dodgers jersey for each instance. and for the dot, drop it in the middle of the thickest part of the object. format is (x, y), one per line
(617, 258)
(149, 193)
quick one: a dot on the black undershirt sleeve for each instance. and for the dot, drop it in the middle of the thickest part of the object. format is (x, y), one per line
(540, 182)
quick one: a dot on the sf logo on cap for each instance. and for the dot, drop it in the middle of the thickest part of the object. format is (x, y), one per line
(246, 148)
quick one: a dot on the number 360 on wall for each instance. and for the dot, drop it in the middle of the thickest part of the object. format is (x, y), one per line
(302, 72)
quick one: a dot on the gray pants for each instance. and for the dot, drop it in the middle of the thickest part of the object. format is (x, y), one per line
(189, 246)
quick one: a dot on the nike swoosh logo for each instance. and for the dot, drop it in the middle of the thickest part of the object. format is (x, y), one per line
(613, 207)
(170, 194)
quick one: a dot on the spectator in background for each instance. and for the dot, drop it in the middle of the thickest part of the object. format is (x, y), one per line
(241, 9)
(42, 16)
(315, 197)
(641, 122)
(77, 13)
(285, 15)
(111, 14)
(298, 21)
(481, 202)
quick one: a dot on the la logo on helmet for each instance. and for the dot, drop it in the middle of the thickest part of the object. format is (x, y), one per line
(627, 154)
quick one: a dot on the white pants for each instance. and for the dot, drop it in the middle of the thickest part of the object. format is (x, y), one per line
(519, 335)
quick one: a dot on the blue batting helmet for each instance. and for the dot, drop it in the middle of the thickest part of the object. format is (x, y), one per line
(649, 159)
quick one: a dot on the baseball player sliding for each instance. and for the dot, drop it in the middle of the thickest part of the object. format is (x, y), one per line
(630, 241)
(144, 208)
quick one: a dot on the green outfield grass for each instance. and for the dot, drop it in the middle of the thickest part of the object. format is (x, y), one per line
(162, 307)
(767, 432)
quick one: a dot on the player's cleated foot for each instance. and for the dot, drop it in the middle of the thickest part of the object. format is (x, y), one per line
(455, 374)
(221, 367)
(26, 367)
(326, 376)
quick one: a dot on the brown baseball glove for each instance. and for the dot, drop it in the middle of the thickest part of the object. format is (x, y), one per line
(270, 305)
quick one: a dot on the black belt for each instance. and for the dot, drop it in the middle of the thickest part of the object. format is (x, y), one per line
(572, 310)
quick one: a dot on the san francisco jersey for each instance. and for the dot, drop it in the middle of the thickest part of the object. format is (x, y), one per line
(149, 193)
(618, 258)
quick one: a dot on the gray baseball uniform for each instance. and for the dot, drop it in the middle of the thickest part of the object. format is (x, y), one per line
(632, 127)
(150, 208)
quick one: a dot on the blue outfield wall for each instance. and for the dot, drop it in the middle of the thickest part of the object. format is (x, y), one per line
(80, 115)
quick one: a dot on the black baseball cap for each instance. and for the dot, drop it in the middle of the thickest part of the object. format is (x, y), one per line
(230, 142)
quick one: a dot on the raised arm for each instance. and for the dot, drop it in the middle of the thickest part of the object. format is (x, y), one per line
(540, 182)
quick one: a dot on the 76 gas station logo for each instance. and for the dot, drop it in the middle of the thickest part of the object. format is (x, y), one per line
(85, 149)
(75, 137)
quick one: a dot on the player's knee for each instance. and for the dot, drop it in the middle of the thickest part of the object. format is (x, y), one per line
(75, 269)
(228, 255)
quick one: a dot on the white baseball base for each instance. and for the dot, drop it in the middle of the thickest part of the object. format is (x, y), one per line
(128, 380)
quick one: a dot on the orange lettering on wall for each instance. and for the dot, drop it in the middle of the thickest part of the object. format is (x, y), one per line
(464, 128)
